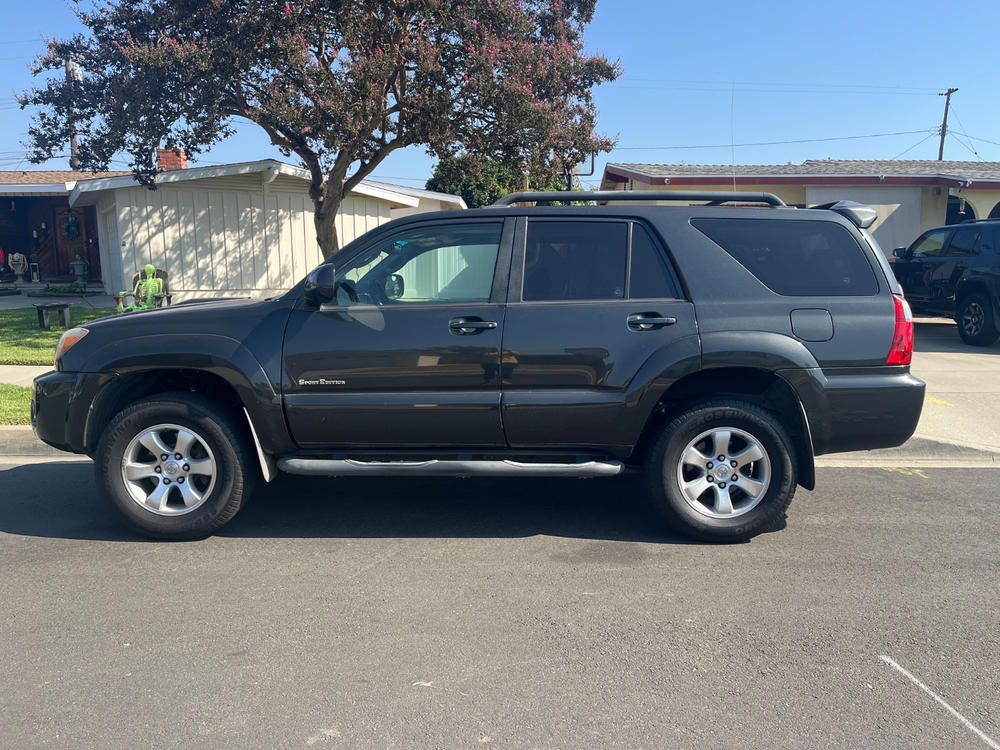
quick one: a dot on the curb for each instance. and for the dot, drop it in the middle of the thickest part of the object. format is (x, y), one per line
(917, 451)
(16, 440)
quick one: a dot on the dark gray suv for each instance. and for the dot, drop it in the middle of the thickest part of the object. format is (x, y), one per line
(954, 271)
(713, 349)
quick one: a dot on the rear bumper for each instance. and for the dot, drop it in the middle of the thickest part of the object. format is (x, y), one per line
(855, 409)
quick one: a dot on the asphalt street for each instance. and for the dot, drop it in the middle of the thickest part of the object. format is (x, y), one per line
(503, 613)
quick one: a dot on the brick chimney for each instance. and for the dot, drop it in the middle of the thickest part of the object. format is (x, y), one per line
(171, 158)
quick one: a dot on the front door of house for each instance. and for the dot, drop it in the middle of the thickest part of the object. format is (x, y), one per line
(71, 240)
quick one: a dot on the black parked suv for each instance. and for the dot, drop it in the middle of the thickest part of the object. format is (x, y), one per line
(954, 271)
(713, 349)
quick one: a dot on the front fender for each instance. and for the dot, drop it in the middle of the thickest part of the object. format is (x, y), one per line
(222, 356)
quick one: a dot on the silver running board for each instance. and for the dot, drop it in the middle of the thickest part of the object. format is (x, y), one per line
(349, 467)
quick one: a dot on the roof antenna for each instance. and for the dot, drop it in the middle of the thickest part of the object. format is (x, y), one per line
(732, 130)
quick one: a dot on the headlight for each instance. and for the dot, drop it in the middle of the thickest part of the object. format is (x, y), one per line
(69, 339)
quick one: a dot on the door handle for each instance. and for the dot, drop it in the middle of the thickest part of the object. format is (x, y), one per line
(468, 326)
(649, 321)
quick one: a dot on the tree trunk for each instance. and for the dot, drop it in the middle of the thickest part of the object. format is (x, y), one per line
(325, 219)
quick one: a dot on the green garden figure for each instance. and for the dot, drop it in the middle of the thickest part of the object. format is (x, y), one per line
(147, 289)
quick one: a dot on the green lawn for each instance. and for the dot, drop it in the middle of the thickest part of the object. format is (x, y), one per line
(15, 404)
(22, 342)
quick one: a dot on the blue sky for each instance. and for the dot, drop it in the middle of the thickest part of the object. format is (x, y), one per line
(709, 74)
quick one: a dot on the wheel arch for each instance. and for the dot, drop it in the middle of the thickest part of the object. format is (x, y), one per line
(973, 285)
(764, 388)
(133, 386)
(218, 366)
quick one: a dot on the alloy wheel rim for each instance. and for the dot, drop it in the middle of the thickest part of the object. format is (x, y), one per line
(972, 318)
(169, 470)
(724, 472)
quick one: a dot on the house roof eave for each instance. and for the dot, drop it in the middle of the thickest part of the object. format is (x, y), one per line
(84, 192)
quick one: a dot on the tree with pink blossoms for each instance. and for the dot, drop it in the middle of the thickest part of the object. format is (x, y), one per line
(339, 83)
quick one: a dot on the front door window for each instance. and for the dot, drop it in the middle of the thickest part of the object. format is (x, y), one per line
(443, 264)
(931, 245)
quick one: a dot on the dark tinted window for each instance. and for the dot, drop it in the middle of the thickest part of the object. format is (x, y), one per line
(988, 237)
(575, 260)
(797, 258)
(931, 244)
(649, 276)
(963, 241)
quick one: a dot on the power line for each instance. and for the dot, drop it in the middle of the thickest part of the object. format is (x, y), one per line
(770, 91)
(983, 140)
(968, 148)
(925, 138)
(962, 131)
(779, 143)
(397, 177)
(784, 83)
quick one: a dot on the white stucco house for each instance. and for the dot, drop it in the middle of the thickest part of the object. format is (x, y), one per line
(234, 229)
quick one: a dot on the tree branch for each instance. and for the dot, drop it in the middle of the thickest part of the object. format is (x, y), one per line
(366, 168)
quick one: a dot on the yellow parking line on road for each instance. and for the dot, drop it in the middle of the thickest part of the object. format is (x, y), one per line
(938, 401)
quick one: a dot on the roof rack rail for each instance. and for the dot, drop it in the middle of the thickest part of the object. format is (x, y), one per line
(713, 198)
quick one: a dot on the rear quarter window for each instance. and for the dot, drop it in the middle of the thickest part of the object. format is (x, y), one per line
(795, 258)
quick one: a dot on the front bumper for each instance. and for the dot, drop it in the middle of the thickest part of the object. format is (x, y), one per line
(51, 409)
(856, 409)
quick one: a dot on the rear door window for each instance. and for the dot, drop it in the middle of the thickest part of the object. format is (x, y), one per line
(649, 276)
(795, 258)
(988, 239)
(575, 260)
(963, 241)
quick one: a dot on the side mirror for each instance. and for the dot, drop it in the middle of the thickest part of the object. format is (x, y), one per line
(319, 285)
(394, 286)
(899, 252)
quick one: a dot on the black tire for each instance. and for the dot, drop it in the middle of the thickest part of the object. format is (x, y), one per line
(665, 457)
(976, 323)
(235, 473)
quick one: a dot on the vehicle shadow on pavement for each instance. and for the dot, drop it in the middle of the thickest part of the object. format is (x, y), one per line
(942, 337)
(607, 509)
(59, 500)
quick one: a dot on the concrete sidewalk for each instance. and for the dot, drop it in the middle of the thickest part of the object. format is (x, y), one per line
(18, 301)
(22, 374)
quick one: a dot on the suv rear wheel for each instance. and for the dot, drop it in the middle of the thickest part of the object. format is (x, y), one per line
(722, 471)
(976, 324)
(175, 466)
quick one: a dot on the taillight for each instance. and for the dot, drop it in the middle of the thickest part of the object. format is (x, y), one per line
(901, 351)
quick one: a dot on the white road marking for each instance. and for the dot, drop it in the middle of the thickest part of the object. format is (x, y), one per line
(968, 724)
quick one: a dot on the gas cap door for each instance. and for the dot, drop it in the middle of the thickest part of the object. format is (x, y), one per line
(812, 324)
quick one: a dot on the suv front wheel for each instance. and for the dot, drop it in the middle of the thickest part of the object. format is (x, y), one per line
(176, 466)
(722, 471)
(976, 324)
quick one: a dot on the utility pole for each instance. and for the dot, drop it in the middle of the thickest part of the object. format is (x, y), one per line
(944, 123)
(74, 157)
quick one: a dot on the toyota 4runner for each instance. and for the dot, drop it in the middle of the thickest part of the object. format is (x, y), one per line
(714, 349)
